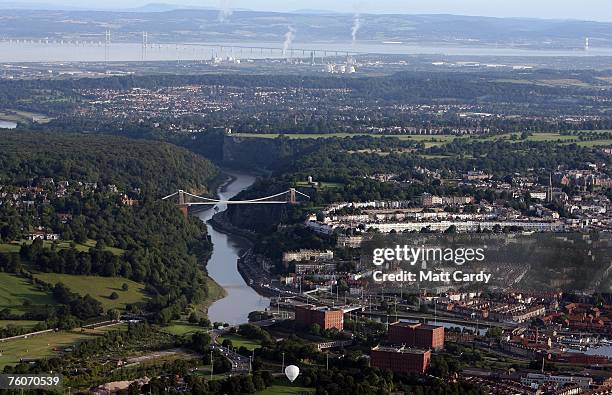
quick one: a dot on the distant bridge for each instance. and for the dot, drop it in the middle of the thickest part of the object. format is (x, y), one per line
(103, 40)
(289, 196)
(291, 52)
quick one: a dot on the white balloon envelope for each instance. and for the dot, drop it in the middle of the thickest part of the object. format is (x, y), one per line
(292, 372)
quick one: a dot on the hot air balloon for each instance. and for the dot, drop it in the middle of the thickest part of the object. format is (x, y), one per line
(292, 372)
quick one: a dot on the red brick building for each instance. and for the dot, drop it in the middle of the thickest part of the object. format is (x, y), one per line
(416, 335)
(325, 317)
(402, 360)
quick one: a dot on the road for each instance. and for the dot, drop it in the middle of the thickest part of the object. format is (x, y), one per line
(240, 363)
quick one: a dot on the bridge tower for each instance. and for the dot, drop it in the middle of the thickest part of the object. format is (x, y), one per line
(181, 204)
(145, 44)
(107, 43)
(292, 196)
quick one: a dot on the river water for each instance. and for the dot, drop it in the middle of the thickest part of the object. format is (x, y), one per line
(7, 125)
(222, 266)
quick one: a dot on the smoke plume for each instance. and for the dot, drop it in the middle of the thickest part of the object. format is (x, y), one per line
(289, 36)
(225, 10)
(356, 27)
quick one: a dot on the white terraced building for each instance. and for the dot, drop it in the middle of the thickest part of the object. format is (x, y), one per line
(441, 226)
(466, 226)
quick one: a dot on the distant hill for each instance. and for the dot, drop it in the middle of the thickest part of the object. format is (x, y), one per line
(307, 11)
(165, 22)
(163, 7)
(151, 7)
(24, 5)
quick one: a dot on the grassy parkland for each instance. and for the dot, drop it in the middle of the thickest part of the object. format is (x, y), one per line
(26, 324)
(182, 329)
(23, 117)
(19, 296)
(15, 246)
(47, 345)
(239, 341)
(99, 288)
(443, 139)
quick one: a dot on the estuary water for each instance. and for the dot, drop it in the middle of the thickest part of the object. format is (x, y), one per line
(38, 51)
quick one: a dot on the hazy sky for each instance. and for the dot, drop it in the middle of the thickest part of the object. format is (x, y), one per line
(582, 9)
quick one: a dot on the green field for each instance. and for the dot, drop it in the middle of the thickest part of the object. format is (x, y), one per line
(286, 389)
(99, 288)
(428, 139)
(12, 248)
(15, 246)
(595, 143)
(92, 243)
(322, 185)
(16, 290)
(45, 345)
(239, 341)
(181, 328)
(551, 137)
(23, 116)
(434, 140)
(106, 329)
(35, 347)
(436, 156)
(22, 324)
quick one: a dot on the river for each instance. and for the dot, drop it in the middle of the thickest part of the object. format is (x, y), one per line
(222, 266)
(7, 125)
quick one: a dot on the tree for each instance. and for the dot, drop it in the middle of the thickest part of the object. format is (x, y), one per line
(439, 366)
(113, 315)
(315, 329)
(221, 363)
(451, 229)
(134, 388)
(200, 342)
(495, 333)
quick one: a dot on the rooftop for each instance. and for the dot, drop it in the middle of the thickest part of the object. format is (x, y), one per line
(318, 308)
(403, 350)
(415, 325)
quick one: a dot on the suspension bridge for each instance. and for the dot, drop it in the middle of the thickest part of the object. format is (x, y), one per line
(186, 199)
(103, 45)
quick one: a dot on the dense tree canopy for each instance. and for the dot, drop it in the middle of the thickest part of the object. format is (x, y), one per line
(153, 167)
(152, 242)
